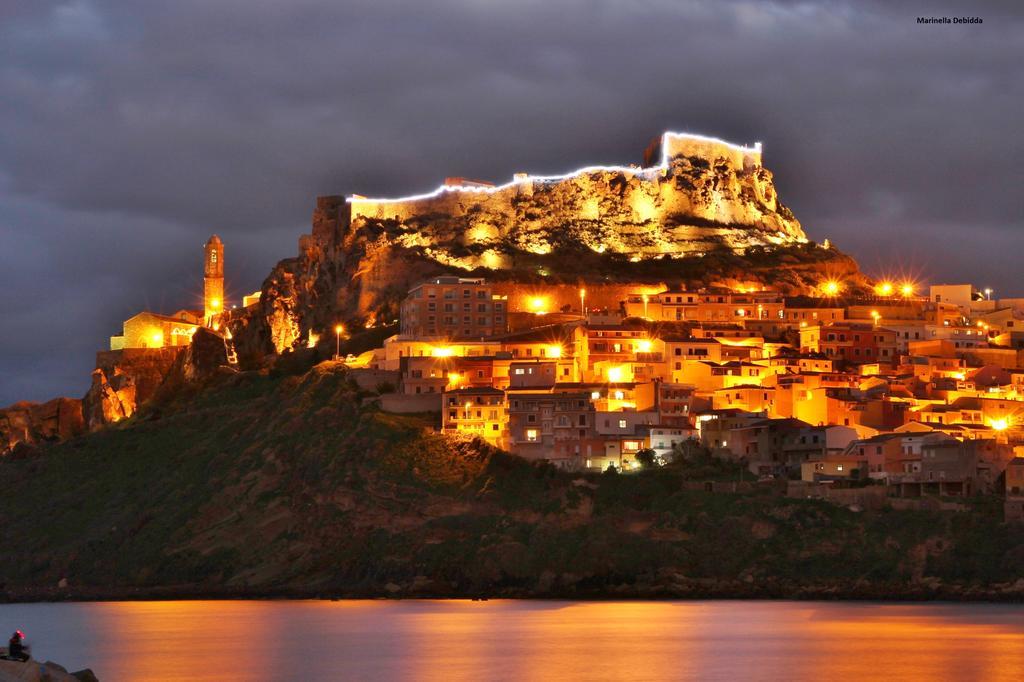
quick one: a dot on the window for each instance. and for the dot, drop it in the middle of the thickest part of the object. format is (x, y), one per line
(622, 423)
(531, 435)
(213, 256)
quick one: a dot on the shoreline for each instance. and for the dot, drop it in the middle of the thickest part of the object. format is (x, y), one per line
(1012, 594)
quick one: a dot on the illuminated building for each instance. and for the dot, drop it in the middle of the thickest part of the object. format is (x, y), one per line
(553, 425)
(213, 278)
(150, 330)
(721, 305)
(153, 330)
(453, 308)
(851, 341)
(477, 411)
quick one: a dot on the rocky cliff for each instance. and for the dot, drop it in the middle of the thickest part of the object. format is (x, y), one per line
(30, 423)
(706, 213)
(702, 195)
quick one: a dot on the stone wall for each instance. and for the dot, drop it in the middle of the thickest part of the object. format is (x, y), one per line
(709, 194)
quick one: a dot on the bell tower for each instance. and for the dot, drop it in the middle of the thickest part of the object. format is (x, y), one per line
(213, 278)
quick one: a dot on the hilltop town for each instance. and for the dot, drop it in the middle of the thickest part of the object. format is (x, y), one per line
(789, 361)
(630, 381)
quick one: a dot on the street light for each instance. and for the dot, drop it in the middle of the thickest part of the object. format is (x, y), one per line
(988, 294)
(583, 306)
(831, 288)
(338, 329)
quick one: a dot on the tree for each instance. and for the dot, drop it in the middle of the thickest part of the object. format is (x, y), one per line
(646, 457)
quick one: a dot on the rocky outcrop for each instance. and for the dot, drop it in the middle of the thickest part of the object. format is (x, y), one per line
(146, 367)
(203, 357)
(123, 381)
(704, 213)
(110, 398)
(31, 423)
(702, 195)
(38, 671)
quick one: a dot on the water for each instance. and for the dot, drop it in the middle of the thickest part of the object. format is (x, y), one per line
(451, 641)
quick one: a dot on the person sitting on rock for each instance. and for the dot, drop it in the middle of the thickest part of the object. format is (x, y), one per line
(16, 647)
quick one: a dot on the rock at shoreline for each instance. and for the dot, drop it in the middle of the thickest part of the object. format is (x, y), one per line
(36, 671)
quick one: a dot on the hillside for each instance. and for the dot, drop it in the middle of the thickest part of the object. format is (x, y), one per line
(280, 483)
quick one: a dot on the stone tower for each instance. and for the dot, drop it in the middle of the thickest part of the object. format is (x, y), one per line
(213, 278)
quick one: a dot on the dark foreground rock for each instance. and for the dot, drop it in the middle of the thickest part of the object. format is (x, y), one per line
(36, 671)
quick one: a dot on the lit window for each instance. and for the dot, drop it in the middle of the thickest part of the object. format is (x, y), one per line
(531, 435)
(622, 423)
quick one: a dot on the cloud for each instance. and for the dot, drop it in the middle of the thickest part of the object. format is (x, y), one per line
(131, 131)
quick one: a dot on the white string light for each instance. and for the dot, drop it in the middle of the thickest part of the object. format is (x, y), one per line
(756, 149)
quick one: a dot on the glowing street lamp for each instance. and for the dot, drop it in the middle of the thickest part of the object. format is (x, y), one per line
(338, 329)
(644, 346)
(1000, 424)
(537, 305)
(907, 289)
(884, 289)
(876, 316)
(583, 303)
(554, 351)
(157, 337)
(988, 294)
(831, 288)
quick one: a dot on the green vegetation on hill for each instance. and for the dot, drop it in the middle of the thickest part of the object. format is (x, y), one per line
(296, 484)
(791, 269)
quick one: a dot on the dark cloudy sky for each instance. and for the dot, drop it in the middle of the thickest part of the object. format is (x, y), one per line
(130, 131)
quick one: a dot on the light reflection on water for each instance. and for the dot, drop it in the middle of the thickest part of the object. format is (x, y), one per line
(451, 641)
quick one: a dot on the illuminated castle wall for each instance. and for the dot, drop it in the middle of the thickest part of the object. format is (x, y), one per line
(700, 193)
